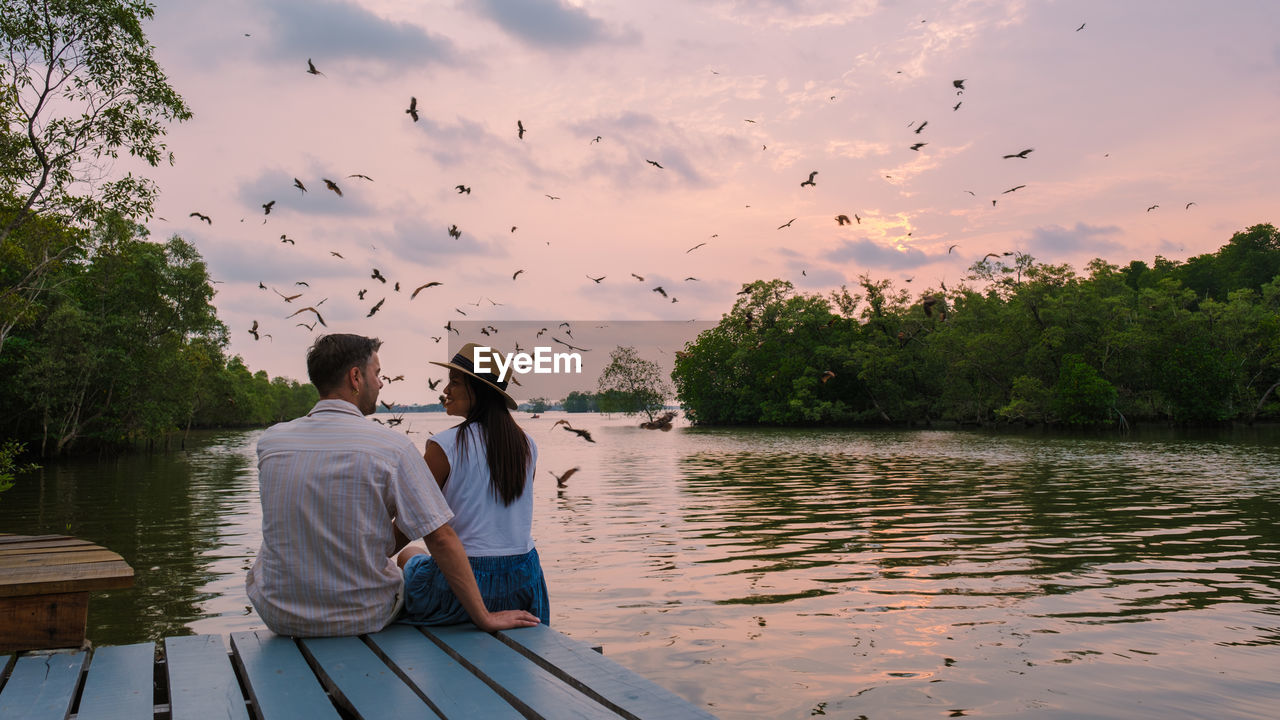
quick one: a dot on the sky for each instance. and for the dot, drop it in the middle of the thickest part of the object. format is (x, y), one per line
(672, 140)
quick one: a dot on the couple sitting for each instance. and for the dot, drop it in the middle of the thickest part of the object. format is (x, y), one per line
(342, 497)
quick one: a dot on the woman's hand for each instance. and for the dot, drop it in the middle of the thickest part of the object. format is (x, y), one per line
(507, 619)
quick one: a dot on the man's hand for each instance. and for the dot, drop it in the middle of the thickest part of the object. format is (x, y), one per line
(507, 619)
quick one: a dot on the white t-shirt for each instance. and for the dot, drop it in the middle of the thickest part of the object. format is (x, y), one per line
(485, 527)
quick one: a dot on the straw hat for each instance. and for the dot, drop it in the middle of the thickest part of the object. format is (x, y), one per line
(464, 361)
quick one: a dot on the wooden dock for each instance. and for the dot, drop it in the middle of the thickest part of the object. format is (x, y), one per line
(45, 581)
(455, 671)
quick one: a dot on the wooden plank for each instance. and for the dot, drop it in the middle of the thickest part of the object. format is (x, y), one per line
(42, 687)
(280, 683)
(201, 681)
(65, 544)
(10, 538)
(44, 558)
(359, 681)
(629, 693)
(66, 578)
(517, 679)
(37, 622)
(120, 684)
(447, 687)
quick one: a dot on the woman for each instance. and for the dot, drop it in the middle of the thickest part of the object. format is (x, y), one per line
(485, 467)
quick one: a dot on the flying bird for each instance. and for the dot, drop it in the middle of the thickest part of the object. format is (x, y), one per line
(571, 347)
(552, 197)
(286, 239)
(317, 313)
(1080, 28)
(1188, 207)
(336, 254)
(454, 232)
(1016, 187)
(695, 247)
(433, 383)
(660, 291)
(266, 207)
(953, 247)
(420, 288)
(361, 293)
(514, 274)
(637, 277)
(298, 184)
(597, 280)
(201, 216)
(1022, 154)
(311, 327)
(311, 68)
(597, 139)
(332, 186)
(254, 330)
(287, 298)
(827, 376)
(843, 220)
(581, 433)
(463, 189)
(957, 105)
(376, 307)
(377, 275)
(362, 177)
(917, 146)
(918, 129)
(413, 108)
(957, 84)
(520, 129)
(810, 181)
(1153, 207)
(563, 480)
(787, 223)
(654, 163)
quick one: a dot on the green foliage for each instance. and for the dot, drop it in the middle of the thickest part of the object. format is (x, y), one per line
(538, 405)
(580, 402)
(10, 451)
(126, 348)
(1082, 396)
(79, 85)
(1027, 342)
(630, 384)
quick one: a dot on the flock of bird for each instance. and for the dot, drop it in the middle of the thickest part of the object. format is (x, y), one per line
(919, 137)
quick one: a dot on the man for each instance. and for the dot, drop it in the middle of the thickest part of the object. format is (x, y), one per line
(340, 496)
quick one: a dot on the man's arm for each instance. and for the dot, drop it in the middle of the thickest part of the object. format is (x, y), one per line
(451, 558)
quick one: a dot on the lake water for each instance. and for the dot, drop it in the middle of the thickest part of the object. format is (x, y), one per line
(793, 573)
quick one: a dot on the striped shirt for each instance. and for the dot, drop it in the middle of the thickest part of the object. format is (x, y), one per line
(331, 484)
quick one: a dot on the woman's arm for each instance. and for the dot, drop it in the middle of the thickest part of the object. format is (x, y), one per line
(437, 463)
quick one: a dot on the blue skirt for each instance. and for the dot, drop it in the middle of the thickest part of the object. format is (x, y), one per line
(506, 582)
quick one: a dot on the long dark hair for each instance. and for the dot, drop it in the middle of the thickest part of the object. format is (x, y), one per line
(506, 445)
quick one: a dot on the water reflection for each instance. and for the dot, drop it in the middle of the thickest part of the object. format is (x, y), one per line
(783, 573)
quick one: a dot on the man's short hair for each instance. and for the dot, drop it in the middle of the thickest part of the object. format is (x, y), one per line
(331, 356)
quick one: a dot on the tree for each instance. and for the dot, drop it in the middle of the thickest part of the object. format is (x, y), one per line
(78, 85)
(630, 384)
(579, 402)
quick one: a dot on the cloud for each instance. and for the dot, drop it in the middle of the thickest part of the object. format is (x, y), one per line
(328, 30)
(1057, 241)
(551, 24)
(868, 253)
(796, 14)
